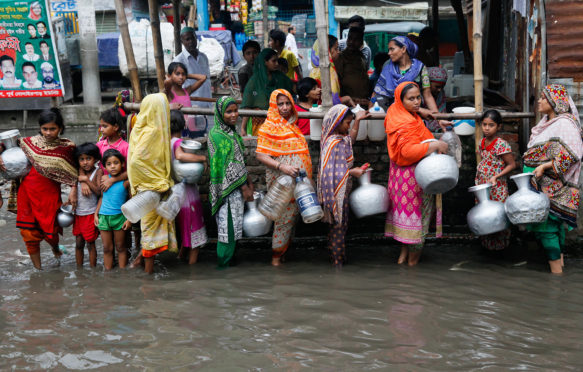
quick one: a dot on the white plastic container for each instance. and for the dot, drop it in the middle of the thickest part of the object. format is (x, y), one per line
(376, 128)
(362, 129)
(307, 200)
(140, 205)
(316, 125)
(465, 127)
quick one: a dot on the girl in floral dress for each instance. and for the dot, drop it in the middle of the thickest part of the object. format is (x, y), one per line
(497, 162)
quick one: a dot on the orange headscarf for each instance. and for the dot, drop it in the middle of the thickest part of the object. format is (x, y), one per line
(405, 132)
(278, 136)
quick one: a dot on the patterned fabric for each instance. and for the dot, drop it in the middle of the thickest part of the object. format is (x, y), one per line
(53, 160)
(437, 75)
(234, 206)
(336, 236)
(405, 132)
(491, 165)
(497, 241)
(278, 136)
(225, 150)
(335, 162)
(190, 220)
(558, 98)
(334, 81)
(408, 216)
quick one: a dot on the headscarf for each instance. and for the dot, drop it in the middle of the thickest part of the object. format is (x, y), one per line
(259, 87)
(335, 162)
(53, 160)
(278, 136)
(405, 132)
(391, 74)
(149, 157)
(225, 149)
(438, 75)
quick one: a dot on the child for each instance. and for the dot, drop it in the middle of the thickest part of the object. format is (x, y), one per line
(334, 183)
(282, 64)
(229, 184)
(112, 125)
(497, 162)
(88, 194)
(189, 222)
(180, 97)
(251, 49)
(108, 217)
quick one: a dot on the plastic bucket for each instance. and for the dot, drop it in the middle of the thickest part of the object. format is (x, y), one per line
(464, 127)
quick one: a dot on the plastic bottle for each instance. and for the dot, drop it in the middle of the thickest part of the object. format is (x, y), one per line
(277, 198)
(362, 129)
(376, 127)
(454, 145)
(307, 200)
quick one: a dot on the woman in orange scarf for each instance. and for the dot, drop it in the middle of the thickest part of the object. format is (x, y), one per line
(410, 210)
(282, 148)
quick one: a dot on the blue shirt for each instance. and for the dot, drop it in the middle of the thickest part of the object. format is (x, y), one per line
(113, 199)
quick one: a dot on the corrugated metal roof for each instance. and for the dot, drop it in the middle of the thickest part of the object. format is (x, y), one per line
(564, 35)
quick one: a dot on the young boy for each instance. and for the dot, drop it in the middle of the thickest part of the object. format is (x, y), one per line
(277, 43)
(251, 49)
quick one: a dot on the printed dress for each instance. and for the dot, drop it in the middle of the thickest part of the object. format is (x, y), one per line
(491, 165)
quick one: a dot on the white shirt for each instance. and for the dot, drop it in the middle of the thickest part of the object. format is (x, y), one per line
(37, 84)
(290, 44)
(4, 84)
(32, 58)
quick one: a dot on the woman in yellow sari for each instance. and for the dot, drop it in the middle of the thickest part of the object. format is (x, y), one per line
(149, 168)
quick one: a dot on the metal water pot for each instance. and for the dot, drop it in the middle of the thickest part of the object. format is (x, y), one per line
(14, 159)
(65, 217)
(488, 216)
(437, 173)
(187, 172)
(255, 223)
(190, 146)
(369, 199)
(526, 205)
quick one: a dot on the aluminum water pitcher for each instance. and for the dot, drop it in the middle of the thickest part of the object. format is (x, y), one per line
(255, 223)
(437, 173)
(369, 199)
(526, 205)
(488, 216)
(14, 159)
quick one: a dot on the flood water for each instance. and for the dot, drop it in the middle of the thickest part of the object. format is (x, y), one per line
(457, 311)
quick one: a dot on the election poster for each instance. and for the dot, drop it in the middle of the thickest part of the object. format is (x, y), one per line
(29, 66)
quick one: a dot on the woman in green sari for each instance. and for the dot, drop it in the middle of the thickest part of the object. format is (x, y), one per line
(265, 79)
(229, 185)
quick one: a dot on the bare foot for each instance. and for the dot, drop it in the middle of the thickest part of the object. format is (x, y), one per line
(276, 261)
(556, 267)
(414, 258)
(193, 255)
(137, 262)
(57, 252)
(403, 255)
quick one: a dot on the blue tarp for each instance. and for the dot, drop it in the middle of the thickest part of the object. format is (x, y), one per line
(107, 49)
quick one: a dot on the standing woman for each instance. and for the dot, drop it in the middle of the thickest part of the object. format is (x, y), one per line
(410, 210)
(265, 79)
(554, 156)
(282, 148)
(36, 198)
(149, 169)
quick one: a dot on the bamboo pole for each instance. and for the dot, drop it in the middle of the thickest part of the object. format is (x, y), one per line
(322, 32)
(122, 22)
(265, 13)
(191, 15)
(478, 77)
(176, 24)
(157, 39)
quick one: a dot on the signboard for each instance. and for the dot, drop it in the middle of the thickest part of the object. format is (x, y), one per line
(28, 63)
(411, 12)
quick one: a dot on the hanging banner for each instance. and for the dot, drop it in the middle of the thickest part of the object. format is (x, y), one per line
(29, 66)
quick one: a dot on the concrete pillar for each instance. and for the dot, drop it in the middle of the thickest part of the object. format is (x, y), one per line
(88, 49)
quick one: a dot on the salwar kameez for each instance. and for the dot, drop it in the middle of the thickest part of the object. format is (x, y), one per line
(230, 225)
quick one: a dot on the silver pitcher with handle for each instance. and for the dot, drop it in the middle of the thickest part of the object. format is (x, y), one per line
(526, 205)
(15, 161)
(254, 222)
(436, 173)
(488, 216)
(369, 199)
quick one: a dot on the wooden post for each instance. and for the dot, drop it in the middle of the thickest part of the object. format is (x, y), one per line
(322, 32)
(191, 16)
(177, 44)
(122, 22)
(157, 40)
(265, 14)
(478, 77)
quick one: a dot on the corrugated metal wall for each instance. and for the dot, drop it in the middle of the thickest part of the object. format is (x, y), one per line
(564, 21)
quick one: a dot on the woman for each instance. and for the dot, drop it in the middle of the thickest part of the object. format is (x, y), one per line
(149, 169)
(402, 67)
(410, 210)
(334, 81)
(437, 80)
(282, 148)
(36, 198)
(309, 94)
(266, 78)
(554, 156)
(229, 184)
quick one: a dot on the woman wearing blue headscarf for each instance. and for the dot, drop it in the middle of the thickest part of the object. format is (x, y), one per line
(403, 66)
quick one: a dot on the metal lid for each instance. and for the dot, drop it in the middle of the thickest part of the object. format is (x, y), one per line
(9, 134)
(191, 145)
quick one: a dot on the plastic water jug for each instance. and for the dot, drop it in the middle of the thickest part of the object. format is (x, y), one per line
(362, 129)
(316, 125)
(277, 198)
(376, 128)
(140, 205)
(454, 145)
(464, 127)
(307, 200)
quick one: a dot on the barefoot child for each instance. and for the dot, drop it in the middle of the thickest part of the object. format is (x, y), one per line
(108, 217)
(180, 97)
(334, 183)
(111, 126)
(189, 222)
(497, 162)
(88, 194)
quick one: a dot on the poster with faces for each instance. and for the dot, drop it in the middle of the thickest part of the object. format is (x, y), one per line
(29, 66)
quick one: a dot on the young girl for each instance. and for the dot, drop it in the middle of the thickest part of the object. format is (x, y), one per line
(84, 228)
(497, 162)
(112, 125)
(229, 184)
(36, 198)
(189, 222)
(334, 183)
(108, 216)
(180, 97)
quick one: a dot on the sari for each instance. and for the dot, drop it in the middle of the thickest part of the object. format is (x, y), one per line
(410, 210)
(149, 168)
(283, 140)
(227, 174)
(334, 181)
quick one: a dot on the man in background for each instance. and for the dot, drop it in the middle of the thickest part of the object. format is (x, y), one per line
(357, 21)
(290, 41)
